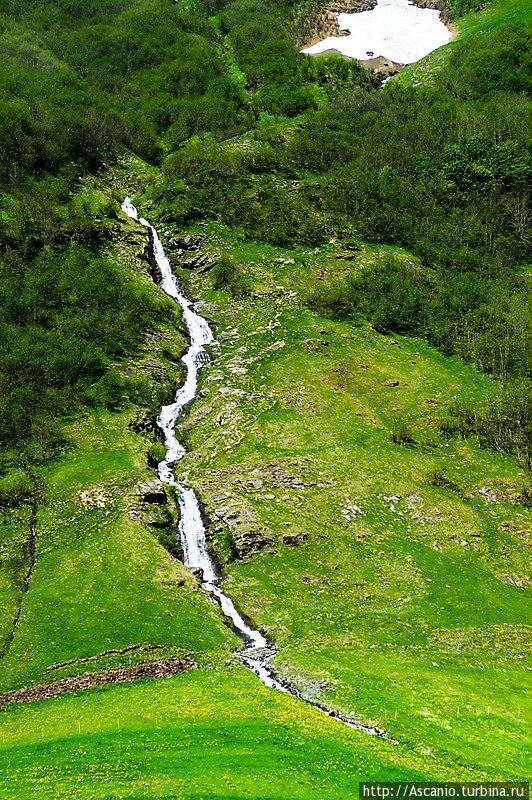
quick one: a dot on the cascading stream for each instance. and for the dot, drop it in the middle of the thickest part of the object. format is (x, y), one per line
(256, 652)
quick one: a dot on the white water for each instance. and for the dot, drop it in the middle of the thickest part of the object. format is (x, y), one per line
(395, 29)
(257, 651)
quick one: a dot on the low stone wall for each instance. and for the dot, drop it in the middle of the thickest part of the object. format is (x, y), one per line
(158, 668)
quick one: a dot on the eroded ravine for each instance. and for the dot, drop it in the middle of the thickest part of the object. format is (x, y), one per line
(256, 651)
(30, 547)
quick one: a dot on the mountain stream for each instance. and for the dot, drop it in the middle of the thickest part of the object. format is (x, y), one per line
(256, 652)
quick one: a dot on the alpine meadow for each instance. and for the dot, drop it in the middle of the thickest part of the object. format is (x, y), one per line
(265, 417)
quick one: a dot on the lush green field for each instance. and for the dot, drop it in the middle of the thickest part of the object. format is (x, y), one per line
(204, 734)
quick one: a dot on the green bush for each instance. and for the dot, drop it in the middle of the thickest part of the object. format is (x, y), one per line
(402, 435)
(15, 487)
(227, 274)
(502, 422)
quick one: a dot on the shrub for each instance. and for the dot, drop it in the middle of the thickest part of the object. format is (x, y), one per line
(227, 274)
(402, 435)
(438, 478)
(14, 488)
(333, 300)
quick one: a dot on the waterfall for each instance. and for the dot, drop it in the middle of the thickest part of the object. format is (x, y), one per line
(256, 651)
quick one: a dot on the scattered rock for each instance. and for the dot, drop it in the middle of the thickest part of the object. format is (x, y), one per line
(184, 243)
(392, 501)
(93, 498)
(294, 538)
(249, 540)
(152, 491)
(240, 518)
(197, 572)
(350, 511)
(391, 383)
(413, 501)
(458, 540)
(285, 261)
(275, 477)
(432, 517)
(352, 6)
(142, 423)
(228, 415)
(198, 262)
(485, 492)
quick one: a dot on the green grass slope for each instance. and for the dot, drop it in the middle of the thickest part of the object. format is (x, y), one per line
(205, 734)
(472, 25)
(391, 594)
(102, 580)
(394, 587)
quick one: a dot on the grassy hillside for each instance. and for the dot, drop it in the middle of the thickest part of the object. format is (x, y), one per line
(385, 575)
(361, 441)
(102, 582)
(472, 26)
(103, 579)
(206, 734)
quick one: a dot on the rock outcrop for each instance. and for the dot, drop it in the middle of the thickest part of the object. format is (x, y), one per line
(198, 262)
(152, 491)
(184, 243)
(240, 519)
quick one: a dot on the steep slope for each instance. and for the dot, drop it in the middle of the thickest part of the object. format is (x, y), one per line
(388, 562)
(472, 27)
(104, 582)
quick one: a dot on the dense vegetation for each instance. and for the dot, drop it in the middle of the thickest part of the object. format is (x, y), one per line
(446, 174)
(78, 82)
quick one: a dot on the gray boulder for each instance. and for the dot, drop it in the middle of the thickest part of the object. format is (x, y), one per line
(152, 491)
(184, 243)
